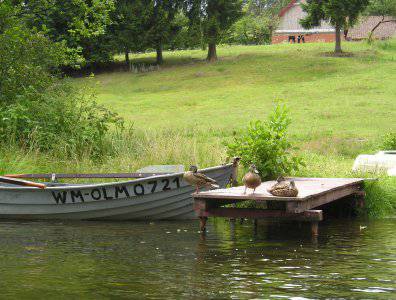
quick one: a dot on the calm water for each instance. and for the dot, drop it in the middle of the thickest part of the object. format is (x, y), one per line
(161, 260)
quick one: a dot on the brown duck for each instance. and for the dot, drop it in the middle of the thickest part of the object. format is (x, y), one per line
(252, 179)
(199, 180)
(283, 188)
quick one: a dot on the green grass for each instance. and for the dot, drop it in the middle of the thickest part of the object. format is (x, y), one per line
(183, 113)
(330, 97)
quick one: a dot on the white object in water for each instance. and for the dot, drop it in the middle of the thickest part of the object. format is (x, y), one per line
(383, 161)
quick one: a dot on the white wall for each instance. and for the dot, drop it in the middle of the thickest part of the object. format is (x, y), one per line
(289, 22)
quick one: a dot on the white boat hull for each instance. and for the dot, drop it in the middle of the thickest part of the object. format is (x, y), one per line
(152, 198)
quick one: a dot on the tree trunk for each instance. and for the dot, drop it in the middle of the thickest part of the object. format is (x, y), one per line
(127, 57)
(338, 39)
(371, 34)
(160, 58)
(212, 53)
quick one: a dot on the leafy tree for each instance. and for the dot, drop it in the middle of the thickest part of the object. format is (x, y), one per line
(251, 29)
(163, 27)
(37, 109)
(79, 24)
(260, 17)
(192, 9)
(340, 13)
(129, 25)
(384, 9)
(215, 17)
(182, 38)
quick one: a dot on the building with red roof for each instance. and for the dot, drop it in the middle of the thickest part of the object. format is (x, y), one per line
(290, 30)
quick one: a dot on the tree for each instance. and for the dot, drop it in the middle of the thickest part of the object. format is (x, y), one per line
(38, 109)
(340, 13)
(260, 17)
(78, 24)
(162, 24)
(215, 18)
(129, 25)
(384, 9)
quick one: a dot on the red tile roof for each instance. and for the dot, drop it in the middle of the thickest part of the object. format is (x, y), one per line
(286, 8)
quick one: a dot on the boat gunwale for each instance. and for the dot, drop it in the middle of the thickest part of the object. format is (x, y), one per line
(106, 184)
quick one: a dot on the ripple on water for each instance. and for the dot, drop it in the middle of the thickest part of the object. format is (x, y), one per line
(94, 260)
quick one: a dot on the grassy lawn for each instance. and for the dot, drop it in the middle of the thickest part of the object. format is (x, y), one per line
(183, 113)
(331, 98)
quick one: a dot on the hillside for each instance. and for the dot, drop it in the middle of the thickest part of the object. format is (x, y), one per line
(331, 98)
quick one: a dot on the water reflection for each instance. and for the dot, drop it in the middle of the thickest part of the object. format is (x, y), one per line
(172, 260)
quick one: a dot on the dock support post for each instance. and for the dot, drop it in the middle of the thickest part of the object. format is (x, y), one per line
(315, 228)
(360, 199)
(202, 223)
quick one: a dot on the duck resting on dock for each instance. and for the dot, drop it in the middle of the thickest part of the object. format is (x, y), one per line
(199, 180)
(252, 179)
(283, 188)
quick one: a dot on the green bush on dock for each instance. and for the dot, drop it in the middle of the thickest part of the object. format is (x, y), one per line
(266, 144)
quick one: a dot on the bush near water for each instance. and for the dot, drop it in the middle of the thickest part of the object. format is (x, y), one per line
(267, 145)
(40, 111)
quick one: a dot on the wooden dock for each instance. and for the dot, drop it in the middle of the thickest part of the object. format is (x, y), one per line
(313, 193)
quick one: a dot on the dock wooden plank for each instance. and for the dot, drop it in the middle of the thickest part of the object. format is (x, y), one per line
(313, 192)
(309, 215)
(308, 188)
(321, 199)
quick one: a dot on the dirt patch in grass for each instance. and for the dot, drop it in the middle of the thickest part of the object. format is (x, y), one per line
(333, 54)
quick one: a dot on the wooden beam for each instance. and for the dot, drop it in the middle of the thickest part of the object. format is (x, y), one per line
(312, 202)
(309, 215)
(306, 192)
(22, 182)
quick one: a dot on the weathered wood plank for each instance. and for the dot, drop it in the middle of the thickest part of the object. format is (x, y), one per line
(309, 215)
(22, 182)
(321, 199)
(308, 188)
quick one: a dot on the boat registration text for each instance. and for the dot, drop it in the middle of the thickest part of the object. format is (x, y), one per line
(116, 191)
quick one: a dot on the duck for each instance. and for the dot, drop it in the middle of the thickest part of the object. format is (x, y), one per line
(283, 188)
(252, 179)
(199, 180)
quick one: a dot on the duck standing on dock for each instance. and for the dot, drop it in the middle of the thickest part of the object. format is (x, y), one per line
(283, 188)
(252, 179)
(199, 180)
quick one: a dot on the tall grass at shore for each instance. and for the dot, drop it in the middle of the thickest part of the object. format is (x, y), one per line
(135, 149)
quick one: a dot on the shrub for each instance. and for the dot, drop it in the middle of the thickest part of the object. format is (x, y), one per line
(39, 110)
(267, 146)
(390, 141)
(251, 30)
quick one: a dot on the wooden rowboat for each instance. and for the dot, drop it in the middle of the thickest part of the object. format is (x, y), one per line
(150, 197)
